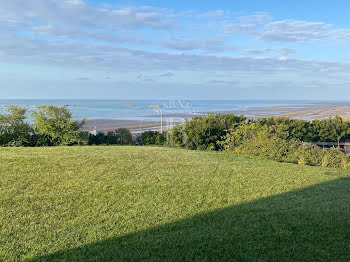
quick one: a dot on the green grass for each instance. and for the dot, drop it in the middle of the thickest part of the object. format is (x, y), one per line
(163, 204)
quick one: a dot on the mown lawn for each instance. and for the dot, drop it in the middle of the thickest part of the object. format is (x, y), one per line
(164, 204)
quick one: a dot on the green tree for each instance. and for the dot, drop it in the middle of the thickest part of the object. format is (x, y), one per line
(341, 128)
(98, 139)
(14, 130)
(332, 129)
(149, 137)
(111, 138)
(124, 136)
(204, 132)
(57, 125)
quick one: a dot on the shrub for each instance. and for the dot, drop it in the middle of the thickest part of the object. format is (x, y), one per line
(57, 126)
(301, 161)
(254, 139)
(161, 139)
(203, 132)
(345, 162)
(111, 138)
(14, 130)
(149, 137)
(98, 139)
(124, 136)
(176, 136)
(325, 160)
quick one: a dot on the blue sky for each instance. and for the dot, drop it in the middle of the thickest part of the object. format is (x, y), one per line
(158, 49)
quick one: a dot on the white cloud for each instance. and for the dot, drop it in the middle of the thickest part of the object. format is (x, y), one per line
(119, 39)
(256, 18)
(284, 51)
(265, 28)
(214, 14)
(294, 31)
(84, 55)
(78, 13)
(214, 44)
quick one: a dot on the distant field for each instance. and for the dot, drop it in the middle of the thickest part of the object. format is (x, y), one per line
(163, 204)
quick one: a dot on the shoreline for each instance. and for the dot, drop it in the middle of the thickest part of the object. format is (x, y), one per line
(309, 111)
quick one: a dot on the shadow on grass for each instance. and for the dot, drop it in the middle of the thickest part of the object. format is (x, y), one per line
(311, 224)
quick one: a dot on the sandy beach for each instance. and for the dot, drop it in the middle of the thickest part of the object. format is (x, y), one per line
(308, 111)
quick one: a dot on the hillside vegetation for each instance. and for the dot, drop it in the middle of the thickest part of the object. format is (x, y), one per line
(280, 139)
(164, 204)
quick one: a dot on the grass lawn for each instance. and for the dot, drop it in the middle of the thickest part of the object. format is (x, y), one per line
(164, 204)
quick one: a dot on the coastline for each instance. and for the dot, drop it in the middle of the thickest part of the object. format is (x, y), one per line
(308, 111)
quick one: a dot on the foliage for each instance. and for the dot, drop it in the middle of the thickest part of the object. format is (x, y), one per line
(14, 130)
(176, 137)
(57, 125)
(124, 136)
(260, 140)
(153, 138)
(149, 137)
(281, 139)
(110, 139)
(121, 136)
(332, 129)
(98, 139)
(203, 132)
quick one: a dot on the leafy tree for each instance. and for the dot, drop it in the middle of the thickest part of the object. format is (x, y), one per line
(111, 138)
(98, 139)
(124, 136)
(161, 139)
(176, 136)
(149, 137)
(203, 132)
(331, 130)
(340, 128)
(14, 130)
(153, 138)
(57, 125)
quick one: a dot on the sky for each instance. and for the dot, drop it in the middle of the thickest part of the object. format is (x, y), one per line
(153, 49)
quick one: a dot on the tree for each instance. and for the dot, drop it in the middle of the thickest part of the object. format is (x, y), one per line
(14, 130)
(149, 137)
(124, 136)
(98, 139)
(57, 124)
(332, 129)
(111, 138)
(341, 128)
(204, 132)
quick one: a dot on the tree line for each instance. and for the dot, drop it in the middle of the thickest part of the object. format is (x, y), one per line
(51, 126)
(281, 139)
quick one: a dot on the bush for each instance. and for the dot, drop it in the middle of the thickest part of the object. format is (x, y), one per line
(176, 136)
(123, 136)
(153, 138)
(203, 132)
(111, 138)
(254, 139)
(149, 137)
(56, 125)
(14, 130)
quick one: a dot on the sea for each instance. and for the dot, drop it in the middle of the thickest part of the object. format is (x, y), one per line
(149, 109)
